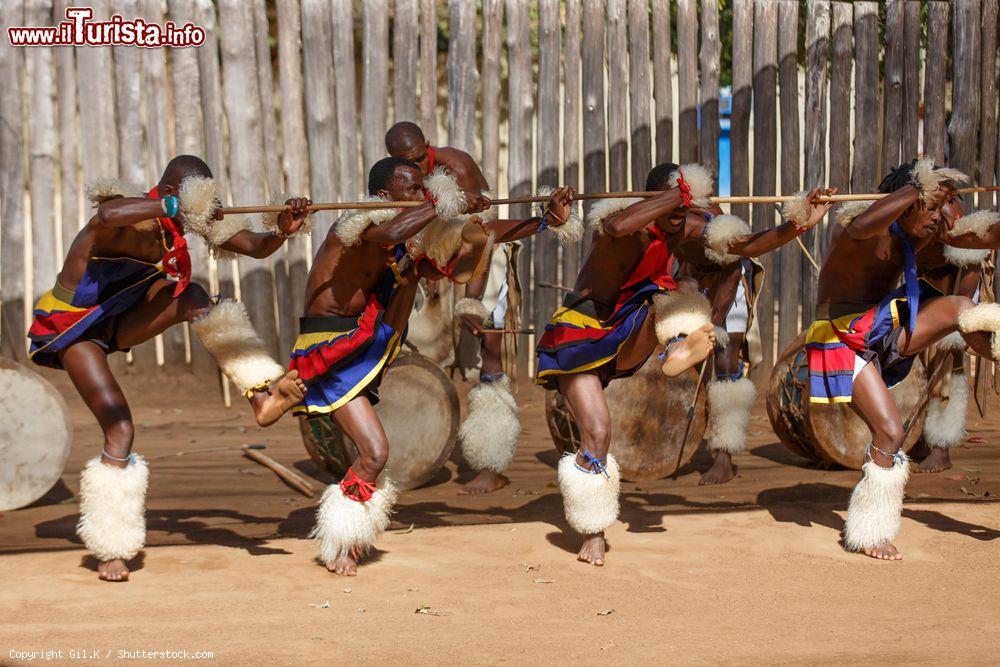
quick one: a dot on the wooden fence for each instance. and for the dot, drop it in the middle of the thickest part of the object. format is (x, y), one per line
(585, 92)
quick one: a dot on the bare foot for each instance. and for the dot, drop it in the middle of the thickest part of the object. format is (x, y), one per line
(690, 351)
(720, 472)
(112, 570)
(885, 552)
(279, 398)
(347, 566)
(486, 481)
(592, 550)
(470, 255)
(937, 461)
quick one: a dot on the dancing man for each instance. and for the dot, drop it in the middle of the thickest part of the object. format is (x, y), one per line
(127, 278)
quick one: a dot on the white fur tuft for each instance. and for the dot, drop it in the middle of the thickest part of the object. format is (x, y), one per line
(945, 423)
(698, 179)
(927, 178)
(984, 317)
(199, 199)
(270, 220)
(874, 511)
(721, 338)
(850, 210)
(797, 210)
(965, 256)
(490, 431)
(113, 508)
(722, 231)
(977, 223)
(570, 231)
(473, 307)
(679, 313)
(952, 341)
(351, 224)
(449, 197)
(101, 190)
(439, 240)
(590, 500)
(343, 523)
(729, 406)
(228, 335)
(605, 208)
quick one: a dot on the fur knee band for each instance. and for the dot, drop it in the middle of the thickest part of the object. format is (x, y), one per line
(729, 406)
(343, 523)
(228, 335)
(679, 313)
(489, 434)
(945, 423)
(984, 317)
(591, 500)
(113, 508)
(876, 506)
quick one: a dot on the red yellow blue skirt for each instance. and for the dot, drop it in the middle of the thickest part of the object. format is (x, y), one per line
(577, 340)
(339, 358)
(108, 288)
(834, 345)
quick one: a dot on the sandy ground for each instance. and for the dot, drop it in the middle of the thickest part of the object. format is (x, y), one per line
(746, 573)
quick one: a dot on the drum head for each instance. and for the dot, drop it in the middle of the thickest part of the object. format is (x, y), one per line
(419, 410)
(788, 400)
(35, 435)
(648, 422)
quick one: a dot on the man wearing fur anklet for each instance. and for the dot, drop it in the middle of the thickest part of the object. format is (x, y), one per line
(359, 295)
(126, 278)
(867, 330)
(489, 433)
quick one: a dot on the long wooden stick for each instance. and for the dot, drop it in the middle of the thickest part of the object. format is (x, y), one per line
(691, 411)
(508, 331)
(290, 478)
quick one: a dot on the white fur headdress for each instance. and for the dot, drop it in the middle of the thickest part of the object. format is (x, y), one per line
(569, 232)
(927, 178)
(343, 523)
(113, 508)
(490, 431)
(722, 231)
(679, 314)
(874, 511)
(604, 208)
(850, 210)
(352, 223)
(101, 190)
(590, 499)
(984, 317)
(199, 199)
(269, 220)
(698, 179)
(796, 211)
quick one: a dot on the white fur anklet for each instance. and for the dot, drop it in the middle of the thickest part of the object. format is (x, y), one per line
(875, 509)
(343, 523)
(945, 423)
(590, 499)
(729, 406)
(113, 508)
(489, 433)
(228, 335)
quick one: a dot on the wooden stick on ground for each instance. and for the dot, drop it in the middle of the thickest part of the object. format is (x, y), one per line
(508, 331)
(290, 478)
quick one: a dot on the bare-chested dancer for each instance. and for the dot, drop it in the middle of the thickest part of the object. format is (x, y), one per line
(113, 293)
(489, 432)
(867, 331)
(359, 295)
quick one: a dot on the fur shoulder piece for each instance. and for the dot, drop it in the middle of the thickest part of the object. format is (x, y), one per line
(449, 196)
(850, 210)
(927, 178)
(977, 223)
(569, 232)
(102, 189)
(607, 207)
(965, 256)
(352, 223)
(270, 220)
(721, 232)
(698, 179)
(796, 211)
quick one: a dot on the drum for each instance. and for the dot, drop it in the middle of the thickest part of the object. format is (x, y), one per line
(419, 410)
(35, 435)
(832, 433)
(648, 420)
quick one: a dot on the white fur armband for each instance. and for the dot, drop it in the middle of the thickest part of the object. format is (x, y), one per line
(850, 210)
(875, 509)
(722, 231)
(343, 523)
(269, 220)
(952, 342)
(729, 407)
(977, 223)
(101, 190)
(605, 208)
(965, 256)
(228, 335)
(796, 211)
(449, 197)
(199, 199)
(926, 178)
(721, 338)
(570, 231)
(679, 313)
(590, 499)
(698, 179)
(490, 431)
(474, 307)
(352, 223)
(113, 508)
(945, 423)
(984, 317)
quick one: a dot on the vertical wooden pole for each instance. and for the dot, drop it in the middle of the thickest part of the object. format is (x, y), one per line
(319, 103)
(892, 85)
(935, 79)
(404, 61)
(988, 102)
(617, 96)
(739, 126)
(963, 128)
(463, 77)
(265, 80)
(842, 38)
(790, 256)
(428, 69)
(69, 140)
(911, 81)
(639, 91)
(374, 79)
(711, 53)
(594, 136)
(12, 217)
(96, 91)
(241, 93)
(352, 176)
(865, 174)
(492, 33)
(817, 58)
(663, 87)
(571, 126)
(765, 65)
(687, 79)
(547, 166)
